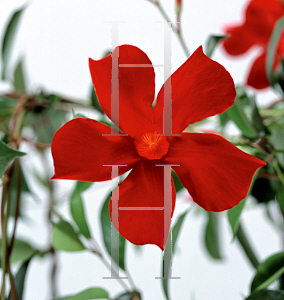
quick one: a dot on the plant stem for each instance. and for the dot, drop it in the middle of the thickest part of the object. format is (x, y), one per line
(176, 29)
(278, 171)
(242, 238)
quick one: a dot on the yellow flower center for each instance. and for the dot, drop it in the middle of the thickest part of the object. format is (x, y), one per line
(152, 146)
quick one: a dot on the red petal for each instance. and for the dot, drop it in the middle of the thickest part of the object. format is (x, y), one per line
(80, 150)
(257, 77)
(136, 88)
(260, 17)
(240, 40)
(216, 173)
(200, 88)
(144, 187)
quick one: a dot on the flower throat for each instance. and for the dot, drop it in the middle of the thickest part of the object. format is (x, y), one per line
(152, 146)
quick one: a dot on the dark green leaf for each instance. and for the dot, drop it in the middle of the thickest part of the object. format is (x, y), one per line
(65, 238)
(106, 231)
(89, 294)
(237, 115)
(7, 155)
(257, 120)
(20, 280)
(177, 182)
(268, 271)
(212, 235)
(212, 42)
(272, 49)
(77, 207)
(169, 252)
(267, 295)
(280, 197)
(19, 78)
(8, 39)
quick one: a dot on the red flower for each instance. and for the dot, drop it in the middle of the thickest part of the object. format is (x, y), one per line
(216, 173)
(260, 18)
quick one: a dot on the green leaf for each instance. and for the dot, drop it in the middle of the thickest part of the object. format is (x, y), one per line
(8, 39)
(81, 186)
(272, 49)
(267, 295)
(13, 191)
(268, 271)
(88, 294)
(22, 251)
(77, 207)
(129, 296)
(106, 231)
(177, 182)
(7, 155)
(237, 115)
(19, 78)
(235, 212)
(212, 235)
(7, 106)
(280, 197)
(94, 101)
(257, 120)
(277, 139)
(20, 280)
(169, 252)
(234, 216)
(65, 238)
(212, 42)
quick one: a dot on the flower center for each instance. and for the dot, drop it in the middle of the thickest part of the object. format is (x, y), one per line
(152, 146)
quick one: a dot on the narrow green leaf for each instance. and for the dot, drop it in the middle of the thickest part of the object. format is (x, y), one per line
(272, 49)
(212, 235)
(8, 39)
(89, 294)
(177, 182)
(212, 42)
(77, 207)
(268, 271)
(7, 155)
(65, 238)
(257, 120)
(20, 280)
(94, 101)
(106, 231)
(235, 212)
(169, 252)
(81, 186)
(19, 78)
(237, 115)
(280, 197)
(234, 216)
(267, 295)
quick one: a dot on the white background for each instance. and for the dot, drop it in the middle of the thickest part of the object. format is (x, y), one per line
(56, 38)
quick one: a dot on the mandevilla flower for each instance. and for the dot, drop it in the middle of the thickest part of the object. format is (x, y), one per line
(216, 173)
(256, 30)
